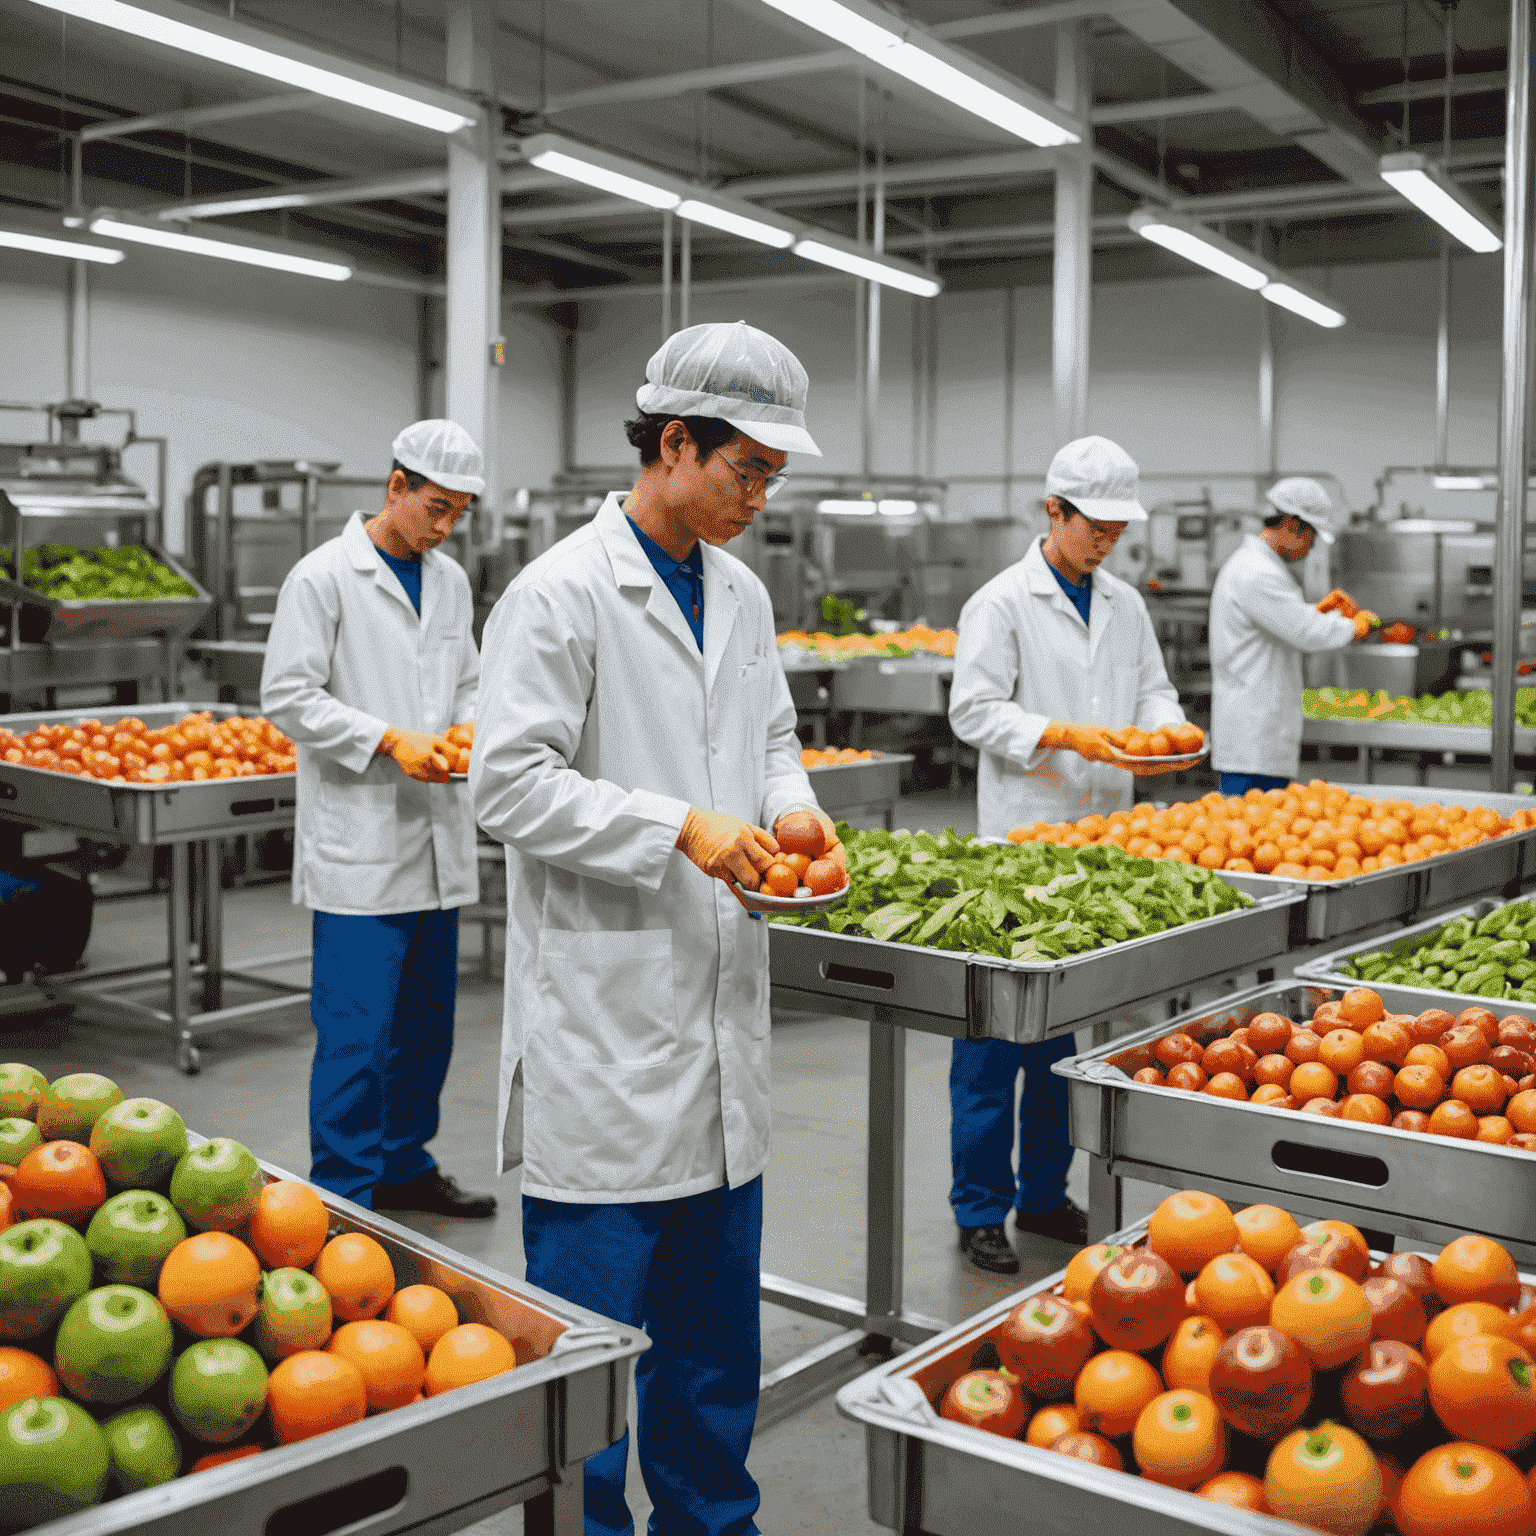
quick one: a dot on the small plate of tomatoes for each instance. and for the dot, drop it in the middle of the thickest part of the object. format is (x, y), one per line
(806, 875)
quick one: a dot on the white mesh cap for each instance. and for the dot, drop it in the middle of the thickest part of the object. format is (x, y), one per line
(1307, 500)
(1099, 478)
(444, 452)
(734, 372)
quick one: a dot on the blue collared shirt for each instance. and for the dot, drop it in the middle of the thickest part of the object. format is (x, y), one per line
(684, 579)
(408, 572)
(1078, 596)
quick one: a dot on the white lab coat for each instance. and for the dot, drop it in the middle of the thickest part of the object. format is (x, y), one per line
(347, 657)
(1261, 626)
(1025, 658)
(635, 1037)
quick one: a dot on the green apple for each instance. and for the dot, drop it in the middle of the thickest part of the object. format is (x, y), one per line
(139, 1142)
(45, 1268)
(53, 1461)
(130, 1236)
(17, 1138)
(114, 1343)
(21, 1089)
(218, 1389)
(295, 1314)
(215, 1185)
(71, 1105)
(143, 1447)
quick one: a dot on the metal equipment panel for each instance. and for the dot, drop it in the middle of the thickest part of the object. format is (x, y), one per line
(847, 786)
(1411, 736)
(904, 686)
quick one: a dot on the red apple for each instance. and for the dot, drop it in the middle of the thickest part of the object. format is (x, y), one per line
(1137, 1300)
(1089, 1447)
(1261, 1382)
(1385, 1389)
(1044, 1342)
(1396, 1313)
(989, 1400)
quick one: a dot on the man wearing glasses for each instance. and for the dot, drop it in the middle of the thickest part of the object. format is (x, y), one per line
(1053, 654)
(635, 735)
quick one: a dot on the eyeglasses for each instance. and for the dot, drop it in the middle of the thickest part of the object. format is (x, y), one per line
(771, 484)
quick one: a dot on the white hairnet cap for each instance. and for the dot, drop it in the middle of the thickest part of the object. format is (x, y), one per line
(1099, 478)
(734, 372)
(444, 452)
(1307, 500)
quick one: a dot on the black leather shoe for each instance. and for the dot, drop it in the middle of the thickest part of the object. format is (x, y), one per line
(1066, 1224)
(433, 1191)
(988, 1248)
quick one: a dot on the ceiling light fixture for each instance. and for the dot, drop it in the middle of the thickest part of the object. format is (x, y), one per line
(76, 250)
(593, 168)
(849, 259)
(1466, 482)
(1290, 295)
(1425, 184)
(735, 223)
(226, 250)
(916, 55)
(179, 26)
(836, 508)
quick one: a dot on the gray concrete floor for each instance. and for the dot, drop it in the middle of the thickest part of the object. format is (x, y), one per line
(254, 1082)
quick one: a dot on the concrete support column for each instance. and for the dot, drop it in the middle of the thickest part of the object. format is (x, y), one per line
(474, 242)
(77, 358)
(1072, 273)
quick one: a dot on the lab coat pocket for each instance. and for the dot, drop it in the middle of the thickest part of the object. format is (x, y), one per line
(606, 997)
(357, 823)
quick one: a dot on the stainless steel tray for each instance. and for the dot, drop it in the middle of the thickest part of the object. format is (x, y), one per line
(847, 786)
(1426, 1187)
(970, 996)
(437, 1465)
(99, 619)
(931, 1475)
(1336, 907)
(1412, 736)
(1328, 968)
(902, 685)
(145, 814)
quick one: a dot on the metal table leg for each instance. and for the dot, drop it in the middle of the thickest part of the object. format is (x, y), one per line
(885, 1174)
(178, 923)
(558, 1512)
(1106, 1200)
(210, 870)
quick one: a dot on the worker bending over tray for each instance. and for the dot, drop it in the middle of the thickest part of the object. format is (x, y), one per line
(1261, 627)
(1054, 655)
(635, 738)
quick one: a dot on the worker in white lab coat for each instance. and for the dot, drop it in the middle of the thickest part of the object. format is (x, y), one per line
(1054, 653)
(1261, 627)
(371, 657)
(635, 739)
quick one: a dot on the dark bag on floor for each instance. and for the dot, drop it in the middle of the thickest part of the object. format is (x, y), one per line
(45, 919)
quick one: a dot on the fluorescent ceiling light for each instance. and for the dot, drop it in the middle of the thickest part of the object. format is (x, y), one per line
(1288, 296)
(1425, 184)
(226, 250)
(76, 249)
(1430, 525)
(1466, 482)
(1202, 246)
(211, 37)
(847, 508)
(890, 508)
(909, 280)
(595, 174)
(916, 55)
(735, 223)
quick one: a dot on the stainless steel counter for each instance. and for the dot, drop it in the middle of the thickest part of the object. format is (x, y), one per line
(1409, 736)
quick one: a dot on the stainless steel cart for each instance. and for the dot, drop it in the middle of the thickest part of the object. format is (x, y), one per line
(1429, 1188)
(191, 820)
(430, 1467)
(871, 787)
(1410, 736)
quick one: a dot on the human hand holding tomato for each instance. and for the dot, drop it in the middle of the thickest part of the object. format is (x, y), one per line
(726, 848)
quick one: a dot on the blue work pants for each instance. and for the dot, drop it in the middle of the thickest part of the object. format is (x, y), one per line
(1241, 783)
(981, 1078)
(687, 1272)
(382, 998)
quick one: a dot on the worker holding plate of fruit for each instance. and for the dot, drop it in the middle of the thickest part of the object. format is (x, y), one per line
(1056, 667)
(370, 662)
(1261, 627)
(635, 750)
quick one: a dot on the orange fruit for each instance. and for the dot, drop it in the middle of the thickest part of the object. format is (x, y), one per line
(1235, 1291)
(208, 1284)
(1265, 1232)
(387, 1356)
(1189, 1353)
(1313, 1080)
(24, 1375)
(1495, 1129)
(1239, 1490)
(61, 1179)
(357, 1273)
(311, 1393)
(1417, 1086)
(1483, 1389)
(801, 832)
(824, 878)
(1473, 1268)
(1459, 1488)
(1179, 1439)
(425, 1312)
(469, 1353)
(1190, 1228)
(1466, 1320)
(1112, 1389)
(1050, 1424)
(1326, 1313)
(220, 1458)
(1360, 1007)
(781, 880)
(1342, 1051)
(288, 1226)
(1326, 1478)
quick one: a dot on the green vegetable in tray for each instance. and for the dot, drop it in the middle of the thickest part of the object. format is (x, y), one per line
(1491, 957)
(1034, 902)
(1472, 707)
(127, 574)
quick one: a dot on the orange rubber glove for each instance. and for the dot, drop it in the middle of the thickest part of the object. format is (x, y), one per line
(421, 756)
(1089, 741)
(726, 848)
(1339, 601)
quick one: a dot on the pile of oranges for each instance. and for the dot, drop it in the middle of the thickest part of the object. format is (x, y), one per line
(1275, 1368)
(127, 751)
(1168, 741)
(1471, 1076)
(1315, 831)
(462, 739)
(833, 757)
(918, 638)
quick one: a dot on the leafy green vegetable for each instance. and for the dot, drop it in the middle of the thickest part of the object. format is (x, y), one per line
(1454, 708)
(126, 574)
(1032, 902)
(1489, 958)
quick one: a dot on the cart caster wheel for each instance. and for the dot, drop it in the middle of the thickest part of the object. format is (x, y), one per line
(188, 1060)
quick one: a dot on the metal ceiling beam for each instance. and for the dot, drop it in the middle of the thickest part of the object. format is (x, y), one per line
(573, 254)
(1234, 100)
(187, 118)
(307, 194)
(1434, 90)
